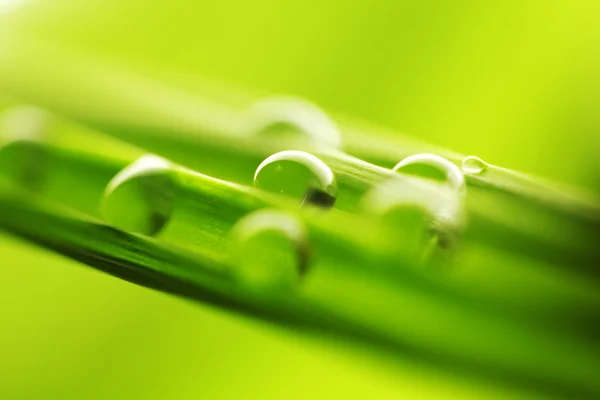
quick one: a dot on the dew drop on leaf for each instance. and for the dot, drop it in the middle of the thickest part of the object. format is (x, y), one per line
(472, 165)
(281, 114)
(140, 198)
(270, 250)
(299, 175)
(23, 130)
(433, 167)
(443, 199)
(416, 215)
(25, 123)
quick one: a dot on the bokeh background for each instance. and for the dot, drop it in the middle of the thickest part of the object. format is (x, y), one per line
(514, 82)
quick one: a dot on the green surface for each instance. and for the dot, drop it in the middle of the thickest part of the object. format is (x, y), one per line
(97, 337)
(516, 83)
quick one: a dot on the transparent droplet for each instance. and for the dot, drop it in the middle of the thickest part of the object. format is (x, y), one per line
(270, 250)
(299, 175)
(472, 165)
(433, 167)
(140, 198)
(417, 215)
(25, 123)
(23, 130)
(277, 115)
(446, 201)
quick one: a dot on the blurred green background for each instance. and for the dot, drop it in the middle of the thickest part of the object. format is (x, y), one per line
(514, 82)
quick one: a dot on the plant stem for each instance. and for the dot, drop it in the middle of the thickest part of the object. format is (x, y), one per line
(410, 323)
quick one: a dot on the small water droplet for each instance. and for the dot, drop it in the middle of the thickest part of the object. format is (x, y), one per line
(278, 114)
(270, 250)
(140, 198)
(434, 167)
(473, 165)
(299, 175)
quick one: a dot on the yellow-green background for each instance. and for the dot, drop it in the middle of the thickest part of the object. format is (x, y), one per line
(515, 82)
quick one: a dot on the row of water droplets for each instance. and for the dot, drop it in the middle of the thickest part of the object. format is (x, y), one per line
(419, 214)
(271, 245)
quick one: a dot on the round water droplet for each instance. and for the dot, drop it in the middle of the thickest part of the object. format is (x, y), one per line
(23, 129)
(23, 165)
(300, 175)
(270, 250)
(140, 198)
(416, 215)
(25, 123)
(278, 114)
(474, 165)
(433, 167)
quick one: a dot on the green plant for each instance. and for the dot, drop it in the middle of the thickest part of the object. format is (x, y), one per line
(517, 303)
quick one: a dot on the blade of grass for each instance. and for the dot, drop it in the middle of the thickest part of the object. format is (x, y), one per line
(206, 209)
(183, 127)
(405, 323)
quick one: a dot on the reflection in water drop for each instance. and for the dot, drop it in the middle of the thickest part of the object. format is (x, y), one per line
(23, 129)
(140, 198)
(433, 167)
(280, 112)
(474, 165)
(270, 250)
(300, 175)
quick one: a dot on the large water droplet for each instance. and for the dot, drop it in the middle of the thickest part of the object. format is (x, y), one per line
(270, 250)
(299, 175)
(433, 167)
(278, 114)
(416, 215)
(446, 203)
(472, 165)
(140, 198)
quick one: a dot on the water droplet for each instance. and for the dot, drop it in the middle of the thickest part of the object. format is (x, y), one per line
(433, 167)
(270, 250)
(300, 175)
(140, 198)
(416, 215)
(23, 129)
(278, 114)
(25, 123)
(474, 165)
